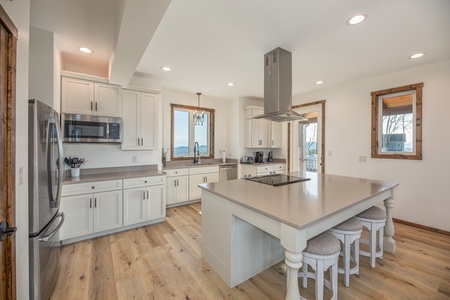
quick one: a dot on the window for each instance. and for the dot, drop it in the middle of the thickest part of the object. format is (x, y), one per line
(397, 122)
(184, 134)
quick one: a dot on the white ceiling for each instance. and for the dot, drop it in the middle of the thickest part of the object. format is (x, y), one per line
(210, 43)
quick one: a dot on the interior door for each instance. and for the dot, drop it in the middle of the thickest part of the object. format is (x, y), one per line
(307, 139)
(8, 42)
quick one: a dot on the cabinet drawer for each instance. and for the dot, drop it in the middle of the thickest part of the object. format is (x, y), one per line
(91, 187)
(204, 170)
(263, 169)
(176, 172)
(280, 167)
(143, 181)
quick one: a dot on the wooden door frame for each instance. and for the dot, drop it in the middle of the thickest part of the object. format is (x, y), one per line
(8, 181)
(322, 163)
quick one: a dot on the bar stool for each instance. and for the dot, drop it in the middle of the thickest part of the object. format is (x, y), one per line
(349, 233)
(321, 253)
(374, 219)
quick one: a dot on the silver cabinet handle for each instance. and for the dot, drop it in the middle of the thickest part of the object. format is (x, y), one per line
(96, 106)
(139, 141)
(148, 195)
(143, 195)
(90, 203)
(92, 106)
(142, 142)
(95, 202)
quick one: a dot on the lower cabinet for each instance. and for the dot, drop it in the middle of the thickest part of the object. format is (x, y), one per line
(199, 175)
(90, 213)
(177, 186)
(91, 208)
(263, 169)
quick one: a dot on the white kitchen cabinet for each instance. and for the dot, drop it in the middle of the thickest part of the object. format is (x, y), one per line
(264, 169)
(87, 212)
(144, 199)
(177, 186)
(200, 175)
(79, 96)
(256, 130)
(275, 134)
(139, 120)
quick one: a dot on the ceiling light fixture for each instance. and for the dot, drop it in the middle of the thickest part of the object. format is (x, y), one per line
(356, 19)
(198, 118)
(319, 82)
(230, 84)
(417, 55)
(85, 50)
(167, 69)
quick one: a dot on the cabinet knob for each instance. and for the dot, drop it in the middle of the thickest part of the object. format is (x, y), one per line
(145, 181)
(93, 187)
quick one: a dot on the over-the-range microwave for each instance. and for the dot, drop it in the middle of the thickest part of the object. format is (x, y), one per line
(91, 129)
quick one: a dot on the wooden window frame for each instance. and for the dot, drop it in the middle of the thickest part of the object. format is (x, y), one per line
(211, 130)
(418, 122)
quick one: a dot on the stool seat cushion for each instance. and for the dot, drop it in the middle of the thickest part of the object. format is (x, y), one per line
(352, 224)
(373, 213)
(323, 244)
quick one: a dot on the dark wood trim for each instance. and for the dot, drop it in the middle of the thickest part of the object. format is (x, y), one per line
(374, 126)
(212, 114)
(7, 23)
(427, 228)
(322, 103)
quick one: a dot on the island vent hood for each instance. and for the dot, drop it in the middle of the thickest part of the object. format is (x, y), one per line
(278, 87)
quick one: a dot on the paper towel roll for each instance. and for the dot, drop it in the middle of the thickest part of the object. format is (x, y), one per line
(224, 159)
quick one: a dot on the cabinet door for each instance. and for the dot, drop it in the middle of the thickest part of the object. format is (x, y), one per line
(212, 177)
(194, 191)
(171, 190)
(182, 189)
(107, 210)
(147, 121)
(275, 134)
(133, 203)
(131, 120)
(156, 202)
(108, 100)
(79, 216)
(77, 96)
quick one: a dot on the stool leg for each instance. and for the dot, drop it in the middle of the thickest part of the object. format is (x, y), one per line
(319, 280)
(380, 240)
(346, 258)
(373, 244)
(305, 279)
(334, 280)
(356, 255)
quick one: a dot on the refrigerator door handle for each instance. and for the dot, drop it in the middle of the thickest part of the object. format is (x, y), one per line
(47, 237)
(54, 202)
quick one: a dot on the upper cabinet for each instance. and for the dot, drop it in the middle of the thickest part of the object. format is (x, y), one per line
(79, 96)
(261, 133)
(139, 120)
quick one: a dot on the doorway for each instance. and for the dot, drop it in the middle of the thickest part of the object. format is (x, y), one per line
(307, 139)
(8, 44)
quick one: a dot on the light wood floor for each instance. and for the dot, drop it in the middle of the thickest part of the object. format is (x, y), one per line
(163, 261)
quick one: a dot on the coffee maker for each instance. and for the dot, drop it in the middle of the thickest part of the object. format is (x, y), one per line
(259, 157)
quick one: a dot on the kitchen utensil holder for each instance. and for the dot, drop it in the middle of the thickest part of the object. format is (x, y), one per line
(75, 172)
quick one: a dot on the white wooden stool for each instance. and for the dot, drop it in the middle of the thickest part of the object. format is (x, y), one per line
(321, 253)
(349, 233)
(374, 219)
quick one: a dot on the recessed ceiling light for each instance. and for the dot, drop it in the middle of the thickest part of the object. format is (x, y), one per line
(319, 82)
(85, 50)
(167, 69)
(417, 55)
(230, 84)
(356, 19)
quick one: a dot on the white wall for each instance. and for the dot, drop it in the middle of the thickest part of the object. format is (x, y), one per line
(19, 12)
(225, 123)
(423, 196)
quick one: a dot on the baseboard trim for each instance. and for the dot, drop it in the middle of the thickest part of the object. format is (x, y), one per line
(444, 232)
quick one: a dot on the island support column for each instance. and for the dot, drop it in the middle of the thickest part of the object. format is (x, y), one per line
(389, 244)
(294, 242)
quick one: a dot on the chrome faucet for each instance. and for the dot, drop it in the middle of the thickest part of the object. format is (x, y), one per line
(196, 153)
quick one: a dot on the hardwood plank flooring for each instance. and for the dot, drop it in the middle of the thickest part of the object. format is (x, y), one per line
(163, 261)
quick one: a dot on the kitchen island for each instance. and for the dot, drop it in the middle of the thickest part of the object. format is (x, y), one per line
(248, 226)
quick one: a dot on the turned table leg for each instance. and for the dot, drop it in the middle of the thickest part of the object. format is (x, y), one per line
(389, 242)
(293, 264)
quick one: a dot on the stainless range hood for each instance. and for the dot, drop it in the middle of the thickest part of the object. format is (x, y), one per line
(278, 87)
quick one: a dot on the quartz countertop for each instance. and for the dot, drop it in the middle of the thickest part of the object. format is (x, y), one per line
(114, 174)
(299, 204)
(186, 165)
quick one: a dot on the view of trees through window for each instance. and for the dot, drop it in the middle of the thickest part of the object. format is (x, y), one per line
(185, 133)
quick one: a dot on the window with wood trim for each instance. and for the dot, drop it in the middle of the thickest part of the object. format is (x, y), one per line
(397, 122)
(184, 133)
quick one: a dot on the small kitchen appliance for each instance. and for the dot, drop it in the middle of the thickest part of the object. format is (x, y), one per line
(247, 160)
(270, 157)
(91, 129)
(259, 157)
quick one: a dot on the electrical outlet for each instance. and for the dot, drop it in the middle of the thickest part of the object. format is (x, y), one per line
(134, 158)
(363, 159)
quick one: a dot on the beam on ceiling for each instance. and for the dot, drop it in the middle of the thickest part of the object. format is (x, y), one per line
(139, 22)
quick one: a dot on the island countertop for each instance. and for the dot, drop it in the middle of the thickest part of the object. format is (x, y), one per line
(303, 203)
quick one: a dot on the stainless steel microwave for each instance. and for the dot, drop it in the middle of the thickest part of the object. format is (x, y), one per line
(91, 129)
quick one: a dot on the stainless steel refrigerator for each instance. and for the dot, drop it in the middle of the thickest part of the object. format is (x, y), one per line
(45, 168)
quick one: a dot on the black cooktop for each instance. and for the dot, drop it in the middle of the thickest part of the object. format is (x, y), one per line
(277, 179)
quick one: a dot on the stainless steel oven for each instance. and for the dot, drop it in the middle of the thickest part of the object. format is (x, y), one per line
(91, 129)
